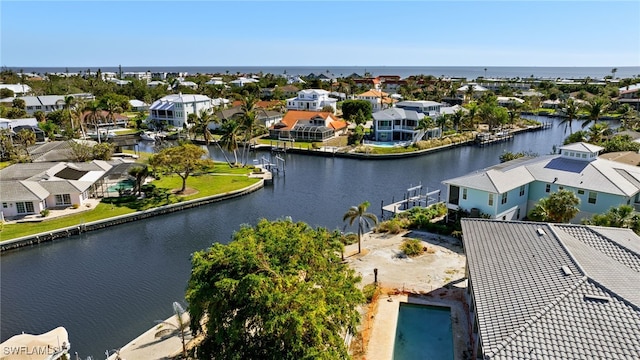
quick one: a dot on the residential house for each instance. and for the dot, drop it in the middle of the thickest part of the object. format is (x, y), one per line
(506, 101)
(174, 109)
(307, 126)
(478, 91)
(552, 291)
(311, 100)
(379, 100)
(46, 103)
(120, 82)
(630, 95)
(56, 151)
(138, 75)
(137, 105)
(188, 84)
(11, 123)
(266, 118)
(29, 188)
(429, 108)
(398, 124)
(215, 81)
(18, 89)
(510, 190)
(242, 81)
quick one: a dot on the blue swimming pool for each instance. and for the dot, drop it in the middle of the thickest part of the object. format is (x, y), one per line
(423, 332)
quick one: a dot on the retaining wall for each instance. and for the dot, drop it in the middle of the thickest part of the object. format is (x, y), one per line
(101, 224)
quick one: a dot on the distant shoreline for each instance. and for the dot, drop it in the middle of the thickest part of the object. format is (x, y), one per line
(468, 72)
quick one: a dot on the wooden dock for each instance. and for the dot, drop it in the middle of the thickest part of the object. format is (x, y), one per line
(413, 197)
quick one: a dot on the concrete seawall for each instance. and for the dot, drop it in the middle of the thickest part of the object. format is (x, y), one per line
(101, 224)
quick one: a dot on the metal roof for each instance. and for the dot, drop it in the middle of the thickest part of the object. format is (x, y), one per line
(528, 306)
(601, 175)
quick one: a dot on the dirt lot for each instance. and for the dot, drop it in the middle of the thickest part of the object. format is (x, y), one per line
(435, 278)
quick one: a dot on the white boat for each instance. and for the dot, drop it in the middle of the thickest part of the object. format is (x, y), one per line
(148, 136)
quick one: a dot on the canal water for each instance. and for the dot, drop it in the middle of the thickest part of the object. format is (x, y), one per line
(107, 287)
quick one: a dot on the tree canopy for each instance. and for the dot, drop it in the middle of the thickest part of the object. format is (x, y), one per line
(276, 291)
(181, 160)
(559, 207)
(350, 109)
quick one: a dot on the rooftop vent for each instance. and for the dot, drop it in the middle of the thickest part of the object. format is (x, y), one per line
(540, 232)
(597, 298)
(566, 271)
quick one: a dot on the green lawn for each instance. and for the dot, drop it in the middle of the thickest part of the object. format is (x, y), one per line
(220, 181)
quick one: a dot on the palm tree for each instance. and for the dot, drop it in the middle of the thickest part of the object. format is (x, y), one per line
(469, 93)
(182, 324)
(570, 112)
(139, 173)
(112, 108)
(77, 113)
(472, 115)
(613, 73)
(456, 118)
(248, 123)
(597, 131)
(231, 135)
(365, 220)
(94, 116)
(424, 125)
(596, 107)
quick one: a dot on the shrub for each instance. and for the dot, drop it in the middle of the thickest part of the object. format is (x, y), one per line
(412, 247)
(369, 291)
(349, 238)
(75, 206)
(45, 212)
(393, 226)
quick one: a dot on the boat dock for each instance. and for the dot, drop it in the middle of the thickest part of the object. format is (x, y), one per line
(413, 197)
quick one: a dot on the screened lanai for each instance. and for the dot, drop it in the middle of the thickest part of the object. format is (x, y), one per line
(311, 133)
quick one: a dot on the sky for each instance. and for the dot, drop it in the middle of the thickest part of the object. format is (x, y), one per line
(318, 33)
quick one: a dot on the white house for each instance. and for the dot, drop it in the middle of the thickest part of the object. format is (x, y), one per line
(137, 105)
(11, 123)
(242, 81)
(311, 100)
(174, 109)
(429, 108)
(29, 188)
(18, 89)
(506, 101)
(397, 124)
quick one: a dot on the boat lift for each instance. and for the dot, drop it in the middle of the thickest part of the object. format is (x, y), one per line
(412, 197)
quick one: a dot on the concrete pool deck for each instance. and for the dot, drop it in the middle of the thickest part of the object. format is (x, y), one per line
(433, 278)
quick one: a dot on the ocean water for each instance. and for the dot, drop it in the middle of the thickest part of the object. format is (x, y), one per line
(467, 72)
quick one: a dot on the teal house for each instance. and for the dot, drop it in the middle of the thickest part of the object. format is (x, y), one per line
(508, 191)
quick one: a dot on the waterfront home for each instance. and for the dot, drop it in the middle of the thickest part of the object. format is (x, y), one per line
(56, 151)
(429, 108)
(307, 126)
(311, 100)
(379, 100)
(29, 188)
(264, 117)
(174, 109)
(11, 123)
(399, 124)
(552, 291)
(509, 191)
(242, 81)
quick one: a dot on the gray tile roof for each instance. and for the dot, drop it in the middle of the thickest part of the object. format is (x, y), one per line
(528, 308)
(22, 191)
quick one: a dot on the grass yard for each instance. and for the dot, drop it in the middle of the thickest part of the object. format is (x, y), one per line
(220, 181)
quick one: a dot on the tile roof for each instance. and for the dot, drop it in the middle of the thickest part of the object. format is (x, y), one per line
(582, 146)
(293, 116)
(527, 306)
(22, 191)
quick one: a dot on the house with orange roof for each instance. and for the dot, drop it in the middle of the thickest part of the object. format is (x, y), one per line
(308, 126)
(311, 100)
(379, 100)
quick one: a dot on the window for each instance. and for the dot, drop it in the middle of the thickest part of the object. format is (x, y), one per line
(63, 199)
(503, 200)
(592, 197)
(548, 188)
(522, 190)
(490, 199)
(24, 207)
(4, 205)
(464, 194)
(584, 156)
(560, 187)
(580, 192)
